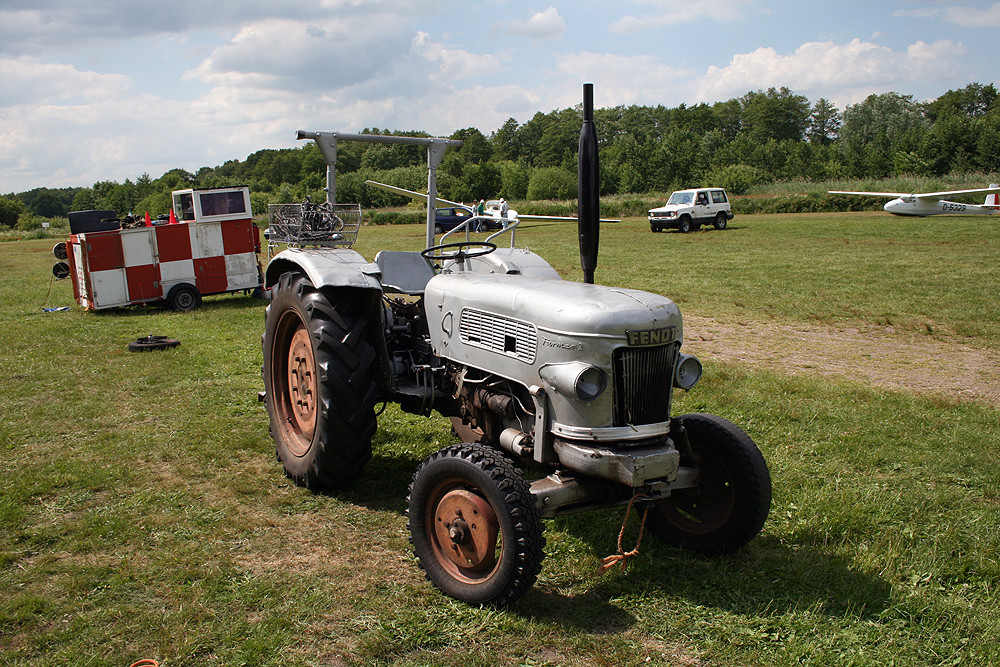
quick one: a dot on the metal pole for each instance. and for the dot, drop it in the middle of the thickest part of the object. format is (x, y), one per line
(435, 153)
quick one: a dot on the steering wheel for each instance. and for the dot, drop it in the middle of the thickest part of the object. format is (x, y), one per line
(460, 255)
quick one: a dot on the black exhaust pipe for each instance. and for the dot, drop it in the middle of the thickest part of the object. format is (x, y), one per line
(589, 193)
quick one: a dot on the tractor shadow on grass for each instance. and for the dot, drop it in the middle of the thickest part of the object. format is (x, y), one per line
(771, 577)
(399, 446)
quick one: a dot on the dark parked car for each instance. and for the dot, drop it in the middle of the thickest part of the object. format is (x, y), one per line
(446, 219)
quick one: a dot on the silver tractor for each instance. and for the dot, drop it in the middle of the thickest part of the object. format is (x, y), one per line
(559, 391)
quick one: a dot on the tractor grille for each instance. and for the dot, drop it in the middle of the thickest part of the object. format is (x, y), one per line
(500, 334)
(644, 377)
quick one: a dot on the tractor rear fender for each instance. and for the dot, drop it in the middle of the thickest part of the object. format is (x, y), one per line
(333, 269)
(325, 267)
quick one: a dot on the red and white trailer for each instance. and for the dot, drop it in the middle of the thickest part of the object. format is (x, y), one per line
(209, 246)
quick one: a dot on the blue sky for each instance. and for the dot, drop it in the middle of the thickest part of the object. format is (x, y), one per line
(113, 89)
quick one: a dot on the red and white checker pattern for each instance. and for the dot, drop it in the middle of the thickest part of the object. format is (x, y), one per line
(121, 267)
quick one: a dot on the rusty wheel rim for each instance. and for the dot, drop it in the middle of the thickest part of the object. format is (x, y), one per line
(294, 383)
(302, 383)
(707, 507)
(464, 532)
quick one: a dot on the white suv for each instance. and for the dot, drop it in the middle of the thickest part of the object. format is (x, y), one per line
(690, 209)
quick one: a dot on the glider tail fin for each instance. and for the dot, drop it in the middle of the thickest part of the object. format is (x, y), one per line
(993, 199)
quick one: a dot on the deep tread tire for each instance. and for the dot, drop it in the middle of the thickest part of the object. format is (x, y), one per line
(493, 478)
(729, 507)
(720, 221)
(327, 444)
(684, 225)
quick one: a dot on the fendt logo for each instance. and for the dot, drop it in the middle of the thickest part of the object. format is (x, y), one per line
(651, 336)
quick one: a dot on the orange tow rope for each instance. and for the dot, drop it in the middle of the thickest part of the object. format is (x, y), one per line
(621, 557)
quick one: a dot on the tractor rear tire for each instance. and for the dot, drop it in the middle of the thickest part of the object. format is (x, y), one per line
(320, 370)
(731, 502)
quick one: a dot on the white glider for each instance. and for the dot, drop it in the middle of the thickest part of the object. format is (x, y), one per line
(491, 213)
(922, 204)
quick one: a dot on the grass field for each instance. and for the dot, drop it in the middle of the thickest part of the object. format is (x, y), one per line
(142, 513)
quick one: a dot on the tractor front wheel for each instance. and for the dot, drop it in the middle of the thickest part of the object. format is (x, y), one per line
(474, 526)
(733, 497)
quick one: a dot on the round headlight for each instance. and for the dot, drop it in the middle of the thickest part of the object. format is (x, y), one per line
(590, 384)
(688, 372)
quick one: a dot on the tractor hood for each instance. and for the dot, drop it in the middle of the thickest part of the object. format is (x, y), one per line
(557, 306)
(515, 324)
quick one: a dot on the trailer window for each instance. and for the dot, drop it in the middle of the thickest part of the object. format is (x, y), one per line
(184, 206)
(222, 203)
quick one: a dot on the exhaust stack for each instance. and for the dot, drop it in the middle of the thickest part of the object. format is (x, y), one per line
(588, 177)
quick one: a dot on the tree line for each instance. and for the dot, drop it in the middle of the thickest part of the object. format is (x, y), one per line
(763, 136)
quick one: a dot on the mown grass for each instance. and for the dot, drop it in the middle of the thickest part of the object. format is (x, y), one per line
(142, 513)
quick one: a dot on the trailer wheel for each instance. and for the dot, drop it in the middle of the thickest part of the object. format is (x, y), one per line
(474, 526)
(319, 377)
(183, 297)
(729, 506)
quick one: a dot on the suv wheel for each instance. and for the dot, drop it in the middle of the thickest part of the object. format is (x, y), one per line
(720, 221)
(684, 226)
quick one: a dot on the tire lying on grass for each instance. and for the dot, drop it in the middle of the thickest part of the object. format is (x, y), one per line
(151, 342)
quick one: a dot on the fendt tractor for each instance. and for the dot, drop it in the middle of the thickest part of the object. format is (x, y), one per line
(559, 391)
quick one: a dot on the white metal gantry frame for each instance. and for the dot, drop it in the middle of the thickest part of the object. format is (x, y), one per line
(436, 147)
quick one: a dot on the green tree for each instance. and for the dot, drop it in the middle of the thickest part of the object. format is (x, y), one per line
(505, 141)
(824, 123)
(552, 183)
(10, 211)
(484, 180)
(84, 200)
(559, 141)
(973, 101)
(776, 114)
(514, 178)
(875, 129)
(475, 147)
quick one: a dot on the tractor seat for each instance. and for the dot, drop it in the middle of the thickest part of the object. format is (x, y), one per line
(404, 272)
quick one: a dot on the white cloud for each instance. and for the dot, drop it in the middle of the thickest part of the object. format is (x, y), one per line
(28, 81)
(673, 12)
(964, 16)
(453, 65)
(543, 25)
(306, 55)
(620, 79)
(840, 72)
